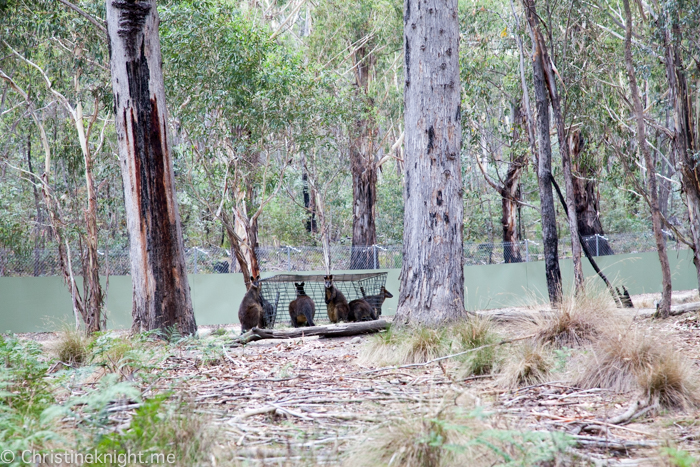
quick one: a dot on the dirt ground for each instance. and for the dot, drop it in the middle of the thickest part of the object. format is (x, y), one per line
(307, 401)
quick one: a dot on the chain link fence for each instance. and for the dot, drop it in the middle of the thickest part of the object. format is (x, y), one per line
(45, 262)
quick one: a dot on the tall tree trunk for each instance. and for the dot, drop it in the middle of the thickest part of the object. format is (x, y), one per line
(309, 202)
(684, 143)
(564, 152)
(92, 289)
(158, 272)
(364, 167)
(432, 275)
(544, 169)
(587, 198)
(665, 305)
(38, 229)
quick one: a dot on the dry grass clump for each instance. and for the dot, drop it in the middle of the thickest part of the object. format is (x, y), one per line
(631, 360)
(670, 381)
(404, 346)
(72, 347)
(455, 437)
(442, 439)
(472, 333)
(422, 344)
(579, 320)
(380, 348)
(529, 363)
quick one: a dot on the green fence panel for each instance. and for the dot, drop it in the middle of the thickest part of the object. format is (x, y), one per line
(36, 304)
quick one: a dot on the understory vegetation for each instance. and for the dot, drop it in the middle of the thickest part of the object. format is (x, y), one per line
(93, 395)
(587, 341)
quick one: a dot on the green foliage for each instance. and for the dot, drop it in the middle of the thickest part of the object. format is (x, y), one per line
(678, 458)
(173, 430)
(25, 393)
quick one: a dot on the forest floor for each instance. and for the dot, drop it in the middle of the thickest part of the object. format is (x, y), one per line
(309, 401)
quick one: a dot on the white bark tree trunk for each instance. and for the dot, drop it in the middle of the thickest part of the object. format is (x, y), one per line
(158, 273)
(432, 276)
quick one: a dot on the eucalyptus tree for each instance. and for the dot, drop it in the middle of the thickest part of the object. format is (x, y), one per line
(46, 35)
(493, 113)
(432, 275)
(161, 292)
(679, 23)
(245, 108)
(638, 112)
(364, 49)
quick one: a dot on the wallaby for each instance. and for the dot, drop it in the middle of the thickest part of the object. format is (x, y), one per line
(376, 301)
(361, 310)
(336, 303)
(302, 310)
(250, 313)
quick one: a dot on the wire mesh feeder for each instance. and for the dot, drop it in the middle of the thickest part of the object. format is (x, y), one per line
(279, 290)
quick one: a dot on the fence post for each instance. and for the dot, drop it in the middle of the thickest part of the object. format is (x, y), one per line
(289, 258)
(597, 245)
(527, 252)
(374, 247)
(195, 260)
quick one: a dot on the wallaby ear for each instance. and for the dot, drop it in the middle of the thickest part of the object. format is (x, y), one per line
(330, 277)
(296, 285)
(302, 284)
(257, 278)
(252, 278)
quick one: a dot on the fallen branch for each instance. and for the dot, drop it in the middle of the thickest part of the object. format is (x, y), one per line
(676, 310)
(332, 330)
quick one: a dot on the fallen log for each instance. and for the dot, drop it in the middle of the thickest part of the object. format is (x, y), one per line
(676, 310)
(332, 330)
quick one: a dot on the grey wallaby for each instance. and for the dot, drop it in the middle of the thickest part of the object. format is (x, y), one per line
(336, 303)
(250, 313)
(302, 310)
(376, 301)
(361, 310)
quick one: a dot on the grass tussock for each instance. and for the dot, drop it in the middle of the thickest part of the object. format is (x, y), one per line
(422, 344)
(579, 320)
(528, 363)
(631, 360)
(436, 440)
(670, 381)
(473, 333)
(72, 347)
(454, 437)
(419, 344)
(400, 346)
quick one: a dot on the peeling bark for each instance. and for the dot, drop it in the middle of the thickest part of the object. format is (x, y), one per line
(364, 168)
(161, 289)
(432, 275)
